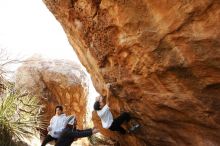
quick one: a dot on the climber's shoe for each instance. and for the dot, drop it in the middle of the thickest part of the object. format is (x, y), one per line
(134, 128)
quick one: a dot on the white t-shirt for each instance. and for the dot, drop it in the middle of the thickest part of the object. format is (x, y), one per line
(57, 124)
(106, 116)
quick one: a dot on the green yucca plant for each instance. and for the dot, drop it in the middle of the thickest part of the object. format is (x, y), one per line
(20, 116)
(100, 140)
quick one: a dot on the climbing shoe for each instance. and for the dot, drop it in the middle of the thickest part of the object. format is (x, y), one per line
(134, 127)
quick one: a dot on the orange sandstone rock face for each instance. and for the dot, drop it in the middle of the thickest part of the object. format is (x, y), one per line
(55, 82)
(163, 58)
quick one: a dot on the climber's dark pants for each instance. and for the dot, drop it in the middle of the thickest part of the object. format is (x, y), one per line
(116, 124)
(47, 139)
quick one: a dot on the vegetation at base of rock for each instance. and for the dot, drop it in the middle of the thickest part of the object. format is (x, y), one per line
(20, 112)
(20, 116)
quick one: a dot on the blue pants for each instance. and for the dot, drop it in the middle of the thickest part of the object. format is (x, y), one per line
(47, 139)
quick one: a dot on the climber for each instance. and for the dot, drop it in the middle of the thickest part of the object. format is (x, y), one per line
(57, 124)
(103, 111)
(71, 134)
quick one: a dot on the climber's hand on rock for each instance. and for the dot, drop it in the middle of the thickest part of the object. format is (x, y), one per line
(108, 85)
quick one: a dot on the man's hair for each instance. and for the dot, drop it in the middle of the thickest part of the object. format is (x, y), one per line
(59, 107)
(97, 106)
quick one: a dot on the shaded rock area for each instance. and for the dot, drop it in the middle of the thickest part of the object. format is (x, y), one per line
(163, 58)
(55, 82)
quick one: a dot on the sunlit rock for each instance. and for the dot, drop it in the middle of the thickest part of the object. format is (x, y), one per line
(163, 58)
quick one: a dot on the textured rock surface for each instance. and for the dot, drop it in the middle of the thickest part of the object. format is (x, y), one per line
(163, 58)
(55, 82)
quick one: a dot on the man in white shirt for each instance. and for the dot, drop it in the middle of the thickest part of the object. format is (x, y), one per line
(108, 122)
(56, 127)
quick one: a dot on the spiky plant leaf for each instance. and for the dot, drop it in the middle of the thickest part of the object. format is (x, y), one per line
(20, 116)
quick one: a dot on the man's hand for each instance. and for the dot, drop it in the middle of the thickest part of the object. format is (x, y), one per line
(56, 132)
(94, 131)
(108, 85)
(49, 129)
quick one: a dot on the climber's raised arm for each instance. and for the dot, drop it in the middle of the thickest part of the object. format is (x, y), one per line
(108, 93)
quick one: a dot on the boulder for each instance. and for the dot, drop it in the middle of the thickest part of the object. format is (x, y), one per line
(162, 58)
(55, 82)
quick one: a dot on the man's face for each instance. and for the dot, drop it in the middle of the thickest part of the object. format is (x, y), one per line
(101, 104)
(99, 98)
(58, 111)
